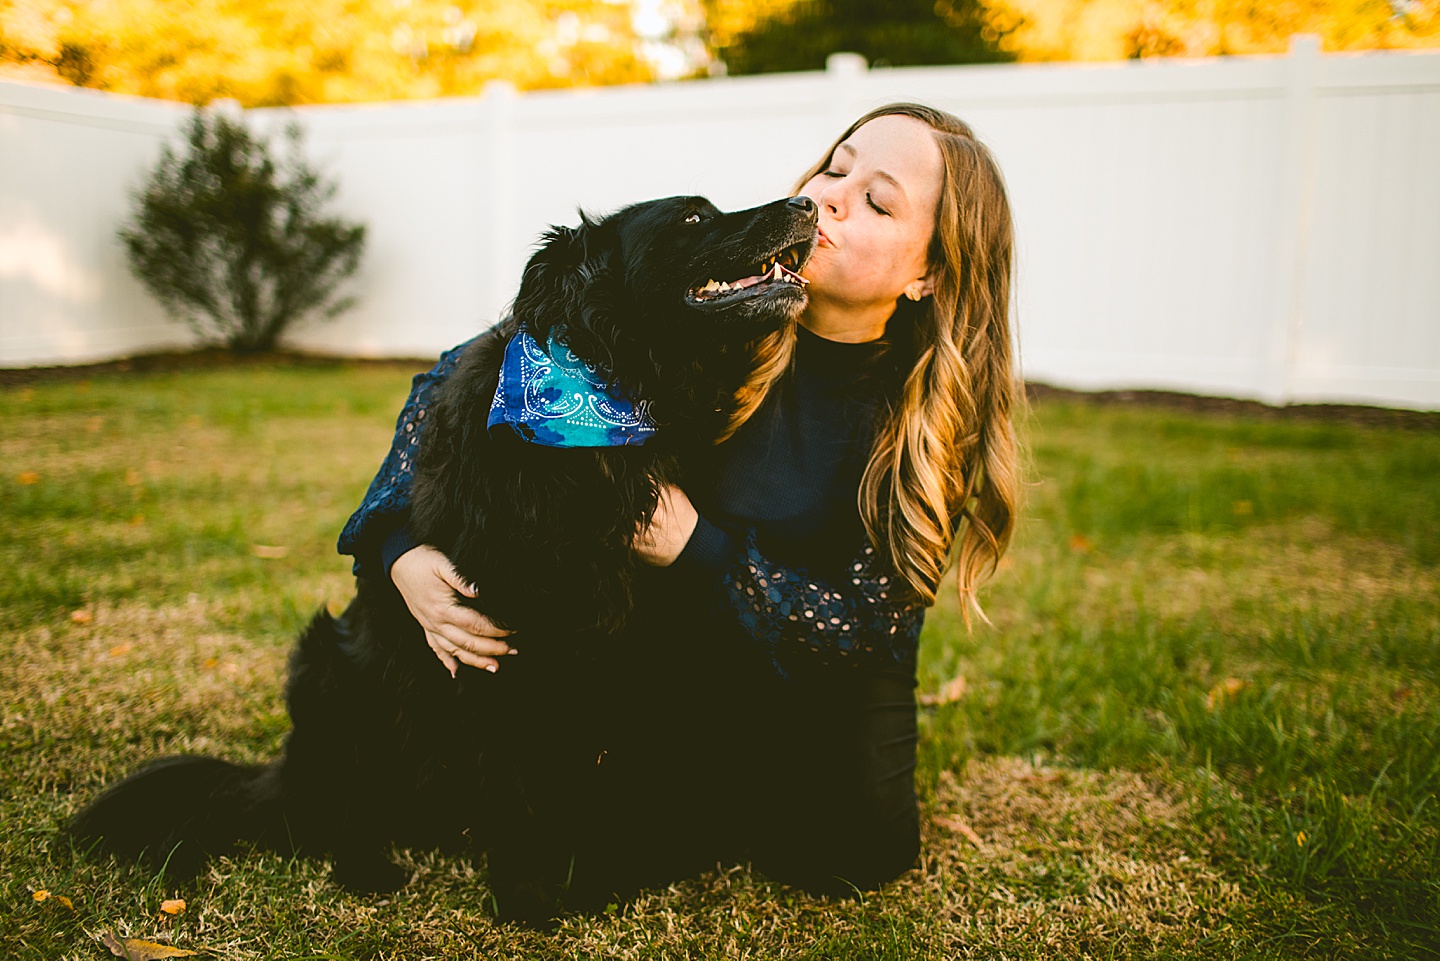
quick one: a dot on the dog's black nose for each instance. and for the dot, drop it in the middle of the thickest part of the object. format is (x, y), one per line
(803, 203)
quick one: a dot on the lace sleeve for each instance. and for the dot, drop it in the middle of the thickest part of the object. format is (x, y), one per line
(387, 501)
(800, 620)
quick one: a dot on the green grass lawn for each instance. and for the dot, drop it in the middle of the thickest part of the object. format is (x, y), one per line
(1204, 722)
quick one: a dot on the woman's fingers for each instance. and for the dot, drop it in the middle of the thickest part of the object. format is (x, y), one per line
(450, 576)
(475, 660)
(452, 657)
(473, 622)
(461, 640)
(442, 651)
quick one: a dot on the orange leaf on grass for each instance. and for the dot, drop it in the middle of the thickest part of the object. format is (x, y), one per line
(1223, 691)
(135, 949)
(173, 906)
(81, 616)
(120, 650)
(950, 692)
(28, 477)
(962, 829)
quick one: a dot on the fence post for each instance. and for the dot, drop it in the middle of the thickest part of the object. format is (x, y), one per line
(1297, 183)
(499, 99)
(845, 72)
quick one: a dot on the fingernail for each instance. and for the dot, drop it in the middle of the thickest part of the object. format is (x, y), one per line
(492, 668)
(512, 651)
(452, 673)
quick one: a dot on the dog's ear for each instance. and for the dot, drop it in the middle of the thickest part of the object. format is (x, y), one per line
(561, 278)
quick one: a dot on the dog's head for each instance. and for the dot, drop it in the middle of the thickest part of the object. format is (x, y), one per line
(665, 291)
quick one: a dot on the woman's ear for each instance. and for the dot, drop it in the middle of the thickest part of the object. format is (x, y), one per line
(923, 287)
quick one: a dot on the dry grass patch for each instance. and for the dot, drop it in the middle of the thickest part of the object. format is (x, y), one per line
(1069, 859)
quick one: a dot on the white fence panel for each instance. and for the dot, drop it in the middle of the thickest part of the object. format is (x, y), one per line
(1255, 227)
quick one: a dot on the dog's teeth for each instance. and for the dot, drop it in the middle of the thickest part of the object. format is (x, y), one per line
(723, 286)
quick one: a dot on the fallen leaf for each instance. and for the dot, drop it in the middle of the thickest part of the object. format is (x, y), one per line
(173, 906)
(60, 899)
(134, 949)
(962, 829)
(1226, 689)
(211, 663)
(269, 551)
(1080, 544)
(28, 477)
(81, 616)
(950, 692)
(120, 650)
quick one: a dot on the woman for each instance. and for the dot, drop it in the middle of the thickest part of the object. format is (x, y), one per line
(766, 706)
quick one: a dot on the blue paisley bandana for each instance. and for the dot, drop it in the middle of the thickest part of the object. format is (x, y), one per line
(550, 397)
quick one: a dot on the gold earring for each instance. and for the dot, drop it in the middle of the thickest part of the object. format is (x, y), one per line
(913, 293)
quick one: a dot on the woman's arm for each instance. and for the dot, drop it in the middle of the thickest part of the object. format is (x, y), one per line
(376, 534)
(796, 617)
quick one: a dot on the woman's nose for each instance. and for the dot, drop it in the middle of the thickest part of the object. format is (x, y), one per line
(832, 199)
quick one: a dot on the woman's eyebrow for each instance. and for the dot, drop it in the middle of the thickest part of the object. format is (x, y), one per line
(879, 174)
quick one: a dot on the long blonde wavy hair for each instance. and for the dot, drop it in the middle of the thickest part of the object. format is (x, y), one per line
(945, 465)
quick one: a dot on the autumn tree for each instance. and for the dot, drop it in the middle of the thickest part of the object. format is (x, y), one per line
(277, 52)
(1116, 29)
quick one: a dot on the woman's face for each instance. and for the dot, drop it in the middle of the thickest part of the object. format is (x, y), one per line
(877, 202)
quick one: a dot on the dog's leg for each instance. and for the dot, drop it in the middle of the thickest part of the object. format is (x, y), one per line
(337, 775)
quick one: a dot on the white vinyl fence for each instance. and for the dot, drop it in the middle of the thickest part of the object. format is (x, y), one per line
(1253, 227)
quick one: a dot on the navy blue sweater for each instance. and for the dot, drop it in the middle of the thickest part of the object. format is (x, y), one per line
(780, 548)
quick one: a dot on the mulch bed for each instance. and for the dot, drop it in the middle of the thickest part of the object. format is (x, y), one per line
(219, 358)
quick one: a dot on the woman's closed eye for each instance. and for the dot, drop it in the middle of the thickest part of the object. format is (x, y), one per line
(874, 206)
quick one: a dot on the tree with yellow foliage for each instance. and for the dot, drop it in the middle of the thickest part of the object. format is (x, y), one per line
(277, 52)
(1117, 29)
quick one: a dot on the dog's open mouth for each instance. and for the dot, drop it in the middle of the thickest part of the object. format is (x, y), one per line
(776, 269)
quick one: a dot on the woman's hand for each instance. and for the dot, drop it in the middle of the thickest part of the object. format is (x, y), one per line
(675, 518)
(457, 634)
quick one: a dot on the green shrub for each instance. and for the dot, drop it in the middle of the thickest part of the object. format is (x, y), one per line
(236, 244)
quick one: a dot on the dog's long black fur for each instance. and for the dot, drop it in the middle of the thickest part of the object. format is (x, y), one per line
(386, 748)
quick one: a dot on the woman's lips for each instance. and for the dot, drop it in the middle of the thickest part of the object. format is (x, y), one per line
(821, 240)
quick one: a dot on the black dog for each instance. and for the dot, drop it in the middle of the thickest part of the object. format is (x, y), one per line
(386, 747)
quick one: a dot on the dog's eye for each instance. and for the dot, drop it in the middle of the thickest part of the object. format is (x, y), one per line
(692, 218)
